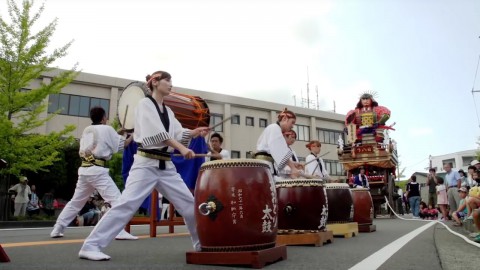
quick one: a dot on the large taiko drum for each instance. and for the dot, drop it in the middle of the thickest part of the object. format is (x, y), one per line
(236, 205)
(191, 111)
(340, 203)
(362, 206)
(302, 205)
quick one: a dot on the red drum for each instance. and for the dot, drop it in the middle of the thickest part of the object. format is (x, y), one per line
(191, 111)
(302, 204)
(363, 206)
(237, 205)
(340, 203)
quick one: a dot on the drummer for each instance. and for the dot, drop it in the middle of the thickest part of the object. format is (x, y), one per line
(315, 168)
(271, 145)
(157, 132)
(290, 138)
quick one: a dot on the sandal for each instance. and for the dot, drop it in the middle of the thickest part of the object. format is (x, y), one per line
(456, 224)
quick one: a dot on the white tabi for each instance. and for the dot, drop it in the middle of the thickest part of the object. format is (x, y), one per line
(102, 142)
(313, 168)
(271, 141)
(145, 175)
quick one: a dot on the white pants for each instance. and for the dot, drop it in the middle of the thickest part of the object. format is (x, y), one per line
(20, 209)
(141, 182)
(86, 185)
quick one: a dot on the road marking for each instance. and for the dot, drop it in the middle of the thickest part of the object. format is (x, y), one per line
(56, 242)
(375, 260)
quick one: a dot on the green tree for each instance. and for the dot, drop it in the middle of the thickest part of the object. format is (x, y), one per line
(23, 59)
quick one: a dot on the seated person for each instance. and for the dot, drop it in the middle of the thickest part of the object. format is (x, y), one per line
(89, 213)
(462, 211)
(473, 201)
(432, 212)
(423, 213)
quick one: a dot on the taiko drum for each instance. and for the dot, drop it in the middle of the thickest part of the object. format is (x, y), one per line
(362, 206)
(340, 203)
(236, 205)
(302, 204)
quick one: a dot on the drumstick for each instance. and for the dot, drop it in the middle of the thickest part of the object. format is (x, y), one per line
(196, 155)
(225, 120)
(125, 117)
(315, 159)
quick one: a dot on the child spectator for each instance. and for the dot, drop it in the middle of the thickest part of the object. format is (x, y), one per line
(462, 209)
(432, 212)
(473, 201)
(423, 213)
(442, 200)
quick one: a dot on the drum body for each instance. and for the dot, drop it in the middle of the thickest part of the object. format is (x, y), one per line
(340, 203)
(236, 205)
(302, 205)
(190, 111)
(362, 206)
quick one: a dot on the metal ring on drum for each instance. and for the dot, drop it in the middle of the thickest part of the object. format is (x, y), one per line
(302, 204)
(340, 203)
(236, 206)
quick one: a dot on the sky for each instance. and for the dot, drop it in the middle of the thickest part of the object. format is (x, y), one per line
(420, 56)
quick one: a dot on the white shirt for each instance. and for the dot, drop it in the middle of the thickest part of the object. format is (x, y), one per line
(272, 142)
(224, 153)
(313, 168)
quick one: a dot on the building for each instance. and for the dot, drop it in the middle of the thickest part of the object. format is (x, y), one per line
(240, 133)
(459, 160)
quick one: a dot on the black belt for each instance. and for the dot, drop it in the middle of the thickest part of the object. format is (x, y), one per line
(161, 156)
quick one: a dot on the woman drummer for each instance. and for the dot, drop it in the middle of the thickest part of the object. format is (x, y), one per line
(158, 133)
(271, 145)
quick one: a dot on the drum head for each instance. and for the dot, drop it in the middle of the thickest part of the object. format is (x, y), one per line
(131, 95)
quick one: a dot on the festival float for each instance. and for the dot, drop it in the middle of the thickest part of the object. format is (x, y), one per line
(368, 145)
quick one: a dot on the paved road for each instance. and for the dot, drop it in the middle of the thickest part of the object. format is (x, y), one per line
(434, 248)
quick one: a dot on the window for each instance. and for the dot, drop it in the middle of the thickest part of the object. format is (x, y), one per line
(249, 121)
(467, 160)
(451, 161)
(216, 119)
(262, 122)
(303, 132)
(76, 105)
(329, 136)
(235, 154)
(334, 167)
(236, 119)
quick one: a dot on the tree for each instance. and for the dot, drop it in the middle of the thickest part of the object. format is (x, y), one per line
(23, 59)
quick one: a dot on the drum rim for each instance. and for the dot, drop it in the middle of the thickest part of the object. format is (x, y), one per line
(231, 162)
(143, 86)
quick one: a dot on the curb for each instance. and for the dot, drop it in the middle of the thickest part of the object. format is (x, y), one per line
(26, 224)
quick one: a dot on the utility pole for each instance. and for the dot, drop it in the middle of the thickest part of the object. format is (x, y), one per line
(308, 90)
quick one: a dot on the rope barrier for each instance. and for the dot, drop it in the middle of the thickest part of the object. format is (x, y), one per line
(423, 220)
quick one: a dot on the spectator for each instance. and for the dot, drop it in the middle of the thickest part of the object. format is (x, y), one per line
(470, 171)
(423, 211)
(399, 199)
(413, 191)
(90, 214)
(475, 163)
(47, 201)
(473, 201)
(476, 221)
(432, 212)
(34, 204)
(442, 199)
(432, 184)
(463, 179)
(216, 151)
(461, 212)
(22, 191)
(452, 182)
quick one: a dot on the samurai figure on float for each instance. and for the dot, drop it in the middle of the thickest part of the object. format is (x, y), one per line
(366, 118)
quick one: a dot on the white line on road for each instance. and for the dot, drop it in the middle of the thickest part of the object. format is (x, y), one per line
(375, 260)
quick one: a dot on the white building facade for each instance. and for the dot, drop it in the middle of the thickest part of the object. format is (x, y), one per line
(240, 133)
(459, 160)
